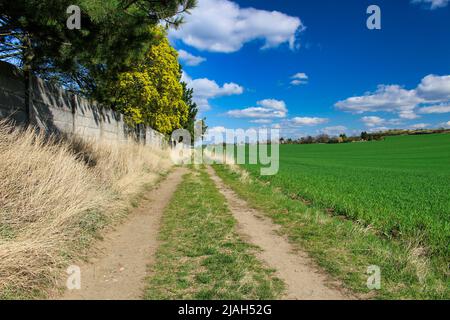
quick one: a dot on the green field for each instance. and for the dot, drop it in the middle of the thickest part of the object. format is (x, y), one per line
(399, 186)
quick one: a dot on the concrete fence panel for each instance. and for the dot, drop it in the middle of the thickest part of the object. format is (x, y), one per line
(56, 110)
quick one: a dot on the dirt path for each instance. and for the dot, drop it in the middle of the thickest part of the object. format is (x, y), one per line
(119, 272)
(302, 278)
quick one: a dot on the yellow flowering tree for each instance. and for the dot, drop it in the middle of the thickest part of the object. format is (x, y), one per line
(151, 93)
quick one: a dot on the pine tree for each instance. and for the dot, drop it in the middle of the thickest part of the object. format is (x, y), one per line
(114, 34)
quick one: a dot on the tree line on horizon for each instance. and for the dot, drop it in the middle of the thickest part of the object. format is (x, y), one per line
(120, 57)
(364, 136)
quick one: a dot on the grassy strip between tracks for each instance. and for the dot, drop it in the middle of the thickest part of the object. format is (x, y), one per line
(201, 255)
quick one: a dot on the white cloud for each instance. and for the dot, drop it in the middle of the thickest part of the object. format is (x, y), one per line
(206, 89)
(434, 4)
(223, 26)
(434, 88)
(215, 134)
(373, 121)
(276, 126)
(435, 109)
(300, 75)
(395, 122)
(216, 130)
(299, 79)
(419, 126)
(298, 82)
(189, 58)
(266, 109)
(408, 114)
(445, 124)
(279, 105)
(334, 130)
(261, 121)
(378, 129)
(256, 112)
(307, 121)
(393, 98)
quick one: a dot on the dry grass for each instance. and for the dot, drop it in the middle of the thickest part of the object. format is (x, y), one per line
(52, 191)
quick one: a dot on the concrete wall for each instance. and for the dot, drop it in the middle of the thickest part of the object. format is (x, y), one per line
(12, 94)
(58, 111)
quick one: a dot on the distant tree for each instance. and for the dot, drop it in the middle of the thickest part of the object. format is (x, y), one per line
(332, 140)
(322, 138)
(364, 135)
(343, 136)
(353, 138)
(376, 136)
(307, 140)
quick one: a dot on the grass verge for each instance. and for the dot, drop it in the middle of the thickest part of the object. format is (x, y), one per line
(201, 256)
(342, 247)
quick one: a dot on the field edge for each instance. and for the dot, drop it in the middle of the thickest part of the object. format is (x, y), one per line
(340, 246)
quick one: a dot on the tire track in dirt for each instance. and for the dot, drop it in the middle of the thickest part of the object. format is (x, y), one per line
(303, 279)
(119, 271)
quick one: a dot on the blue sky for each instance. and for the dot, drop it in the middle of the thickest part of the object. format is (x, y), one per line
(313, 66)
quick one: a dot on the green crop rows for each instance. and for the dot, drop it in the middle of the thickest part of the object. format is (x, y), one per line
(400, 186)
